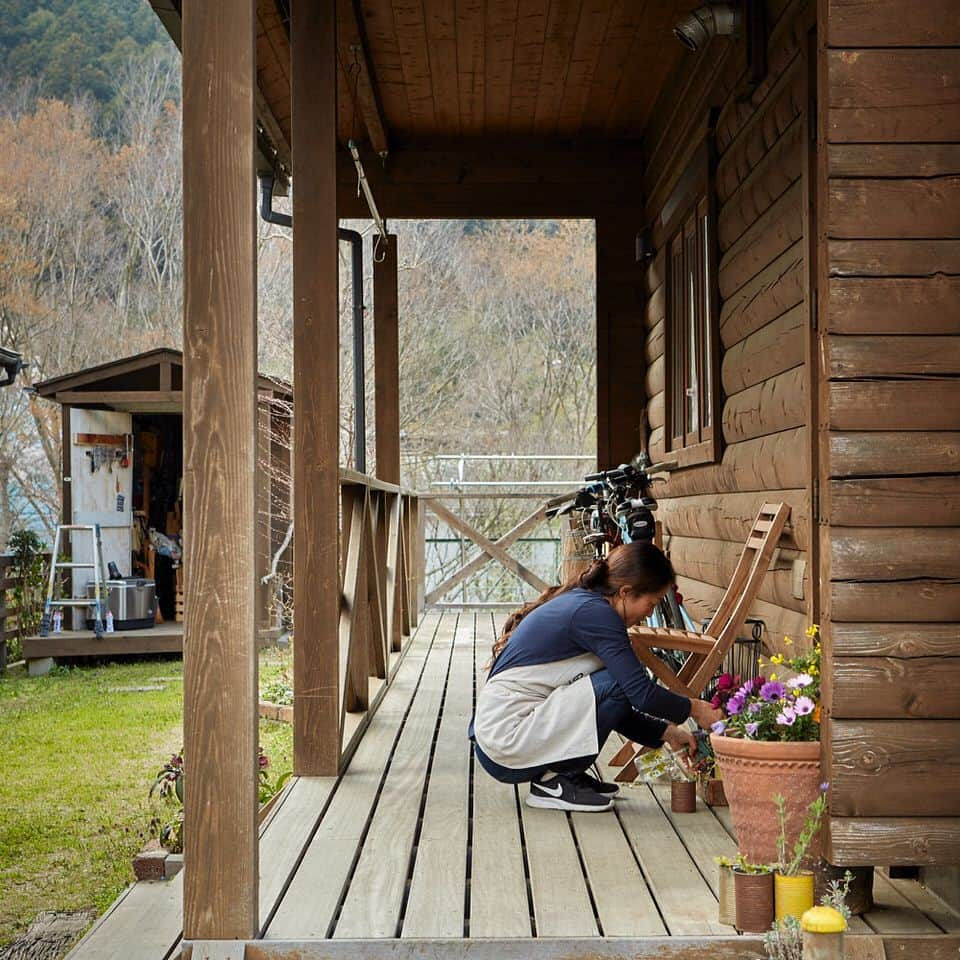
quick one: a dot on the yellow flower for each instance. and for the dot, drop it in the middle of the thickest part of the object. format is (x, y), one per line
(777, 659)
(773, 676)
(813, 669)
(813, 630)
(787, 641)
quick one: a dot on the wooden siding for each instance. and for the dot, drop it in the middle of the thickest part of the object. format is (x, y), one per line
(890, 457)
(761, 195)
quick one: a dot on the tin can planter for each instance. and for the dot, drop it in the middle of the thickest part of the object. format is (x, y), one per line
(683, 796)
(754, 894)
(727, 895)
(793, 895)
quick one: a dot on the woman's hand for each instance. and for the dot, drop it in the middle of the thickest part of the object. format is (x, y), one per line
(680, 740)
(704, 714)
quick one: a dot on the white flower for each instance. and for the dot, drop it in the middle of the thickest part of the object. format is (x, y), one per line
(802, 680)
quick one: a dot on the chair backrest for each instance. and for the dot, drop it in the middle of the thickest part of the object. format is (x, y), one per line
(751, 568)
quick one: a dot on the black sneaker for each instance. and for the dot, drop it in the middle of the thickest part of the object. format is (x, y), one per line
(587, 779)
(564, 793)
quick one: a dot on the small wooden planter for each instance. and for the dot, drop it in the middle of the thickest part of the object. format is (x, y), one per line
(711, 791)
(754, 893)
(276, 711)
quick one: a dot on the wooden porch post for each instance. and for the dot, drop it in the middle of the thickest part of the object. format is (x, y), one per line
(316, 710)
(386, 339)
(219, 427)
(621, 398)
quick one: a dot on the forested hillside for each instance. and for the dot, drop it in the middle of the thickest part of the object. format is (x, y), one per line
(76, 47)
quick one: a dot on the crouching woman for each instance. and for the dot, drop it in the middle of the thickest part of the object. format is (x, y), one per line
(564, 677)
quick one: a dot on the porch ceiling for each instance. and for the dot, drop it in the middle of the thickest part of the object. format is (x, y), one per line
(427, 70)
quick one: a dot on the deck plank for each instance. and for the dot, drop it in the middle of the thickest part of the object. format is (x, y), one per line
(893, 913)
(929, 904)
(435, 906)
(685, 899)
(375, 895)
(561, 903)
(624, 904)
(702, 834)
(310, 903)
(498, 884)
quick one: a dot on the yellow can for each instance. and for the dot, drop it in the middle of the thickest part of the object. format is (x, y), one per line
(793, 895)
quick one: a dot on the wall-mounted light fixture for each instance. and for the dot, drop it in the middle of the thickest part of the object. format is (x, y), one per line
(644, 246)
(706, 22)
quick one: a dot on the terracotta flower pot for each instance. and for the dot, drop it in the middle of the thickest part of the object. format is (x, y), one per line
(683, 796)
(755, 770)
(727, 895)
(754, 901)
(793, 895)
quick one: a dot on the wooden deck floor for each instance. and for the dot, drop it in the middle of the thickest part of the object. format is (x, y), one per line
(414, 843)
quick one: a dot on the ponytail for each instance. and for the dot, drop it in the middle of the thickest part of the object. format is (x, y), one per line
(641, 566)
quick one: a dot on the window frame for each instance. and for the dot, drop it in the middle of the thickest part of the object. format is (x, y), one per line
(689, 230)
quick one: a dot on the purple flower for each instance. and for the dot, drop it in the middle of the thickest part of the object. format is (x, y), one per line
(734, 705)
(751, 729)
(755, 707)
(772, 690)
(824, 786)
(803, 706)
(718, 727)
(801, 680)
(786, 717)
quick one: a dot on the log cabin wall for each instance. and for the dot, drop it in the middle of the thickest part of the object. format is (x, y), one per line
(761, 311)
(889, 76)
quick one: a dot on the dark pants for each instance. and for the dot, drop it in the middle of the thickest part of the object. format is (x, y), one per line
(614, 713)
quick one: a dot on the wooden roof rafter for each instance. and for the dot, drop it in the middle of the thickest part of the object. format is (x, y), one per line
(355, 68)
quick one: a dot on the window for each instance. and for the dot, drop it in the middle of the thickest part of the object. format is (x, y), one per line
(692, 398)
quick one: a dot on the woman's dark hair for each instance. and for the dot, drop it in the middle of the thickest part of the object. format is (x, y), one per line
(641, 566)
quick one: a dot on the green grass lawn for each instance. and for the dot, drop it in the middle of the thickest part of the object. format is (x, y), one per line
(79, 756)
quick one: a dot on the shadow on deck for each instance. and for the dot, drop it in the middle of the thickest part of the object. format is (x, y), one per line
(415, 851)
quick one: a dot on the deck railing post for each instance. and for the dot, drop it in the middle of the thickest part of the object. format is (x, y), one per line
(316, 592)
(220, 897)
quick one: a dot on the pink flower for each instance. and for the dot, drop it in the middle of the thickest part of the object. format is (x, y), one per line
(786, 717)
(801, 680)
(772, 690)
(725, 682)
(803, 706)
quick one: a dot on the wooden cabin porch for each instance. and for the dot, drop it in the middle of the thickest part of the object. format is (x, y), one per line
(412, 849)
(754, 322)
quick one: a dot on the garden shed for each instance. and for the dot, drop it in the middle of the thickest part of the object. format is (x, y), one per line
(122, 429)
(777, 219)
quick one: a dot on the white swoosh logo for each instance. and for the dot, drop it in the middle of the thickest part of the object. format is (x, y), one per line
(553, 791)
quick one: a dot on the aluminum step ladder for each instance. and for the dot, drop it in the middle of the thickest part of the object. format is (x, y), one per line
(99, 577)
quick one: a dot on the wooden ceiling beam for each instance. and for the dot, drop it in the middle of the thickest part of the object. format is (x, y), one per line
(352, 49)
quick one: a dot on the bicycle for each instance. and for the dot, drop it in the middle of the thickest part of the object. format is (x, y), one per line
(617, 506)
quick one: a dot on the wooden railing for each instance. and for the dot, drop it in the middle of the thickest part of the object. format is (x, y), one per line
(382, 596)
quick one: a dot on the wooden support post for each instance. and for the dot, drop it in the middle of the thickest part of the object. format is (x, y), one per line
(386, 361)
(621, 367)
(220, 899)
(316, 710)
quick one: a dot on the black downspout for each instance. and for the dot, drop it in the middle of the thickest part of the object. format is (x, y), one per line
(356, 262)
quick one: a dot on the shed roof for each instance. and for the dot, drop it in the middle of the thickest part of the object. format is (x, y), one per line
(149, 382)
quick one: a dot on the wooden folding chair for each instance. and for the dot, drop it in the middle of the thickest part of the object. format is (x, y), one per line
(707, 650)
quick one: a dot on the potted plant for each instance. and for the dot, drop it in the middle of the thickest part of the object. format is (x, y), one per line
(726, 892)
(793, 885)
(753, 887)
(769, 741)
